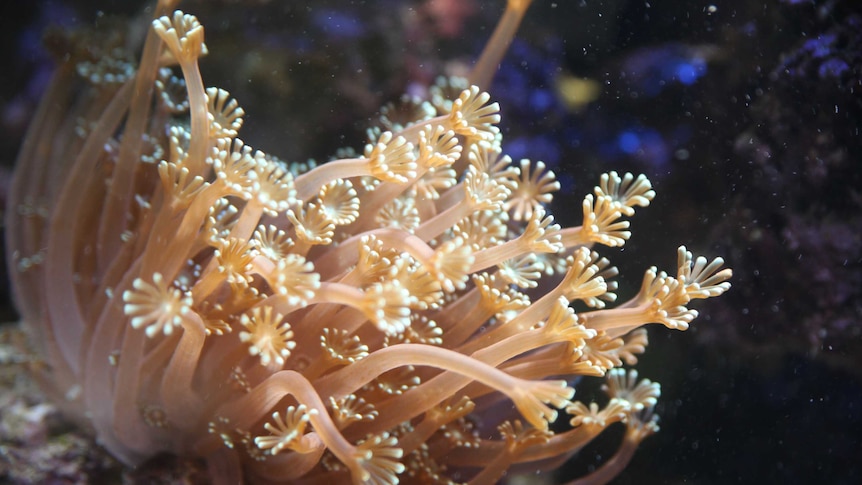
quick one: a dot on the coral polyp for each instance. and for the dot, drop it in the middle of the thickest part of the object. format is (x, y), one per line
(362, 318)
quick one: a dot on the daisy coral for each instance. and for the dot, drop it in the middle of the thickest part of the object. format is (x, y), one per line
(358, 320)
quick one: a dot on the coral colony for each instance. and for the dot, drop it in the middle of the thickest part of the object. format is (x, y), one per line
(403, 314)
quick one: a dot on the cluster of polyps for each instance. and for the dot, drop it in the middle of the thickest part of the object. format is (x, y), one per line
(364, 317)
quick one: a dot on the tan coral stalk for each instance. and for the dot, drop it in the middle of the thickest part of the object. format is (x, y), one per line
(527, 396)
(486, 66)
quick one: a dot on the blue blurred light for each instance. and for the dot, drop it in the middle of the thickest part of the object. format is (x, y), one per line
(687, 73)
(338, 25)
(629, 142)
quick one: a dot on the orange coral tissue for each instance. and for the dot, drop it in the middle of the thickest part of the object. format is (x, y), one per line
(193, 295)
